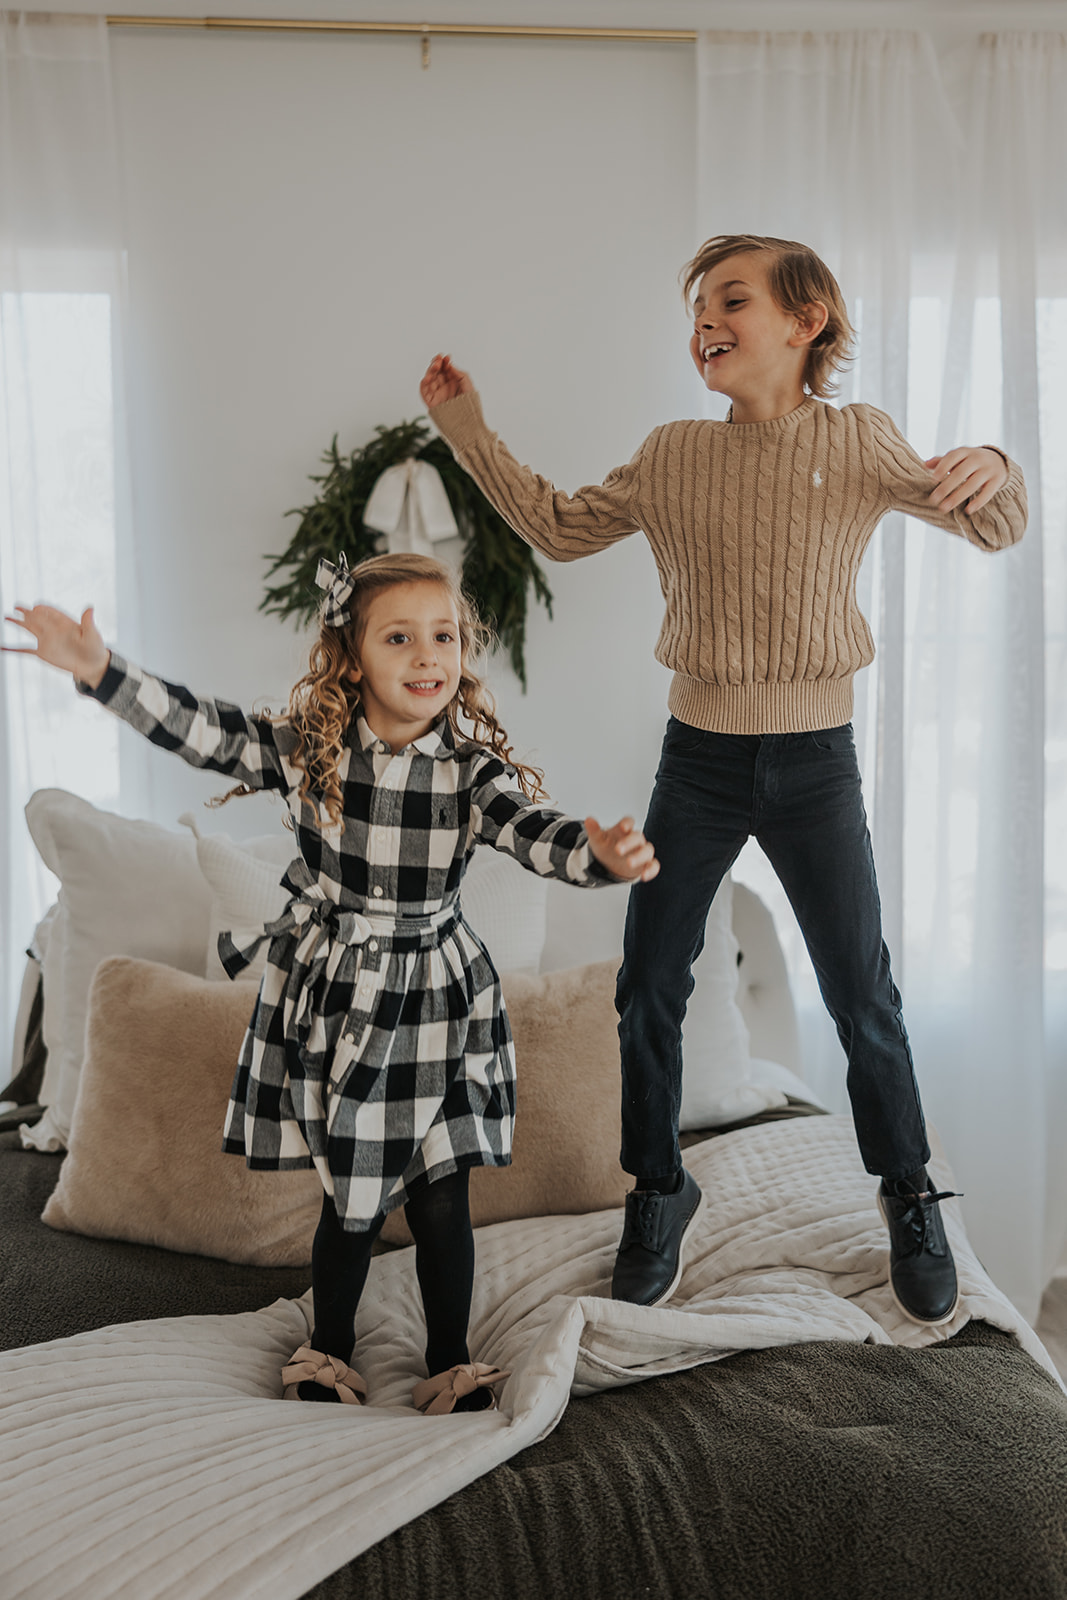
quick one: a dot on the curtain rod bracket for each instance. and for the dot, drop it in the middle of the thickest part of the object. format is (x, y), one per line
(425, 47)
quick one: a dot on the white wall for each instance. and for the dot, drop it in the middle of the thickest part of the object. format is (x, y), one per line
(309, 219)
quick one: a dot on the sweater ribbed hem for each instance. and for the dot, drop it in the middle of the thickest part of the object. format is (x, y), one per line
(799, 707)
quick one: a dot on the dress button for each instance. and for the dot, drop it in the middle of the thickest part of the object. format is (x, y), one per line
(373, 946)
(350, 1038)
(377, 891)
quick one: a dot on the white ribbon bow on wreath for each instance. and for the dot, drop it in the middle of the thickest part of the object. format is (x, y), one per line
(410, 506)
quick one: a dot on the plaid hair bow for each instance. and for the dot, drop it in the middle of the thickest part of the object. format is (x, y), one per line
(338, 583)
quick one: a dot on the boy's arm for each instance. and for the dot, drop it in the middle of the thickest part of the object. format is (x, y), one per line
(908, 483)
(206, 733)
(549, 842)
(563, 527)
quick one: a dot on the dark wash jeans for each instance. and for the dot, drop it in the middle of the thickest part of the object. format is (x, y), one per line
(799, 795)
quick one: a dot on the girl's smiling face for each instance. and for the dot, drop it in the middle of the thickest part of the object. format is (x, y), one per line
(744, 344)
(409, 660)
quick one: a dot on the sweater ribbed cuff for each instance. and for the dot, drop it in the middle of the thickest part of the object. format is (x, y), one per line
(460, 421)
(800, 707)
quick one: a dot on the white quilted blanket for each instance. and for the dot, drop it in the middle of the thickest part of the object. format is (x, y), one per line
(156, 1461)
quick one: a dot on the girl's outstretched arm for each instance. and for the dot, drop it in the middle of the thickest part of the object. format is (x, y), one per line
(76, 647)
(549, 842)
(623, 850)
(206, 733)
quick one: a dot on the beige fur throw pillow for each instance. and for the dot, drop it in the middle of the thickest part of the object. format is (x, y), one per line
(567, 1123)
(145, 1160)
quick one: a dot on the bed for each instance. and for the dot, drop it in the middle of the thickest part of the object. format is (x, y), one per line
(777, 1431)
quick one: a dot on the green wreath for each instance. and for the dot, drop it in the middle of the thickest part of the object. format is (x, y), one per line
(498, 569)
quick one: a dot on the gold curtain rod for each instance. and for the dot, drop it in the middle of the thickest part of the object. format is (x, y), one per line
(422, 29)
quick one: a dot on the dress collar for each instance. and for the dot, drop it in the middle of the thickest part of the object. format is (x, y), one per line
(436, 741)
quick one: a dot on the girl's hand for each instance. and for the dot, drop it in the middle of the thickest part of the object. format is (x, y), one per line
(971, 473)
(622, 849)
(443, 382)
(76, 647)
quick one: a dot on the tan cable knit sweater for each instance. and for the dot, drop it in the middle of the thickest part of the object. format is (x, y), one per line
(758, 530)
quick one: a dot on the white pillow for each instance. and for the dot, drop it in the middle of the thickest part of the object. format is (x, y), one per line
(717, 1087)
(506, 905)
(31, 978)
(126, 889)
(244, 877)
(772, 1075)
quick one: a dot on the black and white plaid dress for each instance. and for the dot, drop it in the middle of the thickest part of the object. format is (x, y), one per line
(379, 1049)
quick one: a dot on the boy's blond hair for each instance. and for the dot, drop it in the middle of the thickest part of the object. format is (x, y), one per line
(797, 278)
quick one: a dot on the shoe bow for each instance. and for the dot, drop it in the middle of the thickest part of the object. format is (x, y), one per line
(312, 1366)
(436, 1396)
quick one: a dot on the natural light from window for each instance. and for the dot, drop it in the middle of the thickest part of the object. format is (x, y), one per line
(57, 536)
(950, 616)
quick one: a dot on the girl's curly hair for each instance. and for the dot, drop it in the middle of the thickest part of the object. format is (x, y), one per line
(324, 701)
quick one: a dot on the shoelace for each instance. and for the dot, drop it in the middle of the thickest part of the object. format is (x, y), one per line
(917, 1215)
(643, 1216)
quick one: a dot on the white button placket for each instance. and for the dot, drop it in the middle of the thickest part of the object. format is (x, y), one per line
(366, 985)
(386, 809)
(390, 775)
(360, 1015)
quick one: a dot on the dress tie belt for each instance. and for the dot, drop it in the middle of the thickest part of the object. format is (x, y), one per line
(321, 925)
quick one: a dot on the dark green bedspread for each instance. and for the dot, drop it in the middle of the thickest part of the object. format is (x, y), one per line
(54, 1284)
(811, 1472)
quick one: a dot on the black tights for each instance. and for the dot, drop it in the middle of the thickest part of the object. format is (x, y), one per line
(439, 1218)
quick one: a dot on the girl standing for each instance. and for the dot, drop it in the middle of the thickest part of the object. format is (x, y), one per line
(379, 1049)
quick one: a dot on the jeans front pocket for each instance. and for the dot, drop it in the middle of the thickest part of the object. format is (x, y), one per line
(681, 738)
(832, 741)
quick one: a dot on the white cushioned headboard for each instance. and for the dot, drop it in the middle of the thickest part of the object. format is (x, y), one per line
(763, 991)
(587, 926)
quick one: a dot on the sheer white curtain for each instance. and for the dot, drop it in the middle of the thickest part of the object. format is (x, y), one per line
(64, 527)
(934, 189)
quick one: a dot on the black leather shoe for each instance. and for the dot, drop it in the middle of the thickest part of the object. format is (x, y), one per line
(648, 1265)
(922, 1273)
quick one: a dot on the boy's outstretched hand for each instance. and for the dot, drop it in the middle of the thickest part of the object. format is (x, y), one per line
(76, 647)
(622, 849)
(970, 473)
(443, 382)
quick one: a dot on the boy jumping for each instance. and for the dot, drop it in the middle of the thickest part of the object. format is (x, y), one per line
(758, 526)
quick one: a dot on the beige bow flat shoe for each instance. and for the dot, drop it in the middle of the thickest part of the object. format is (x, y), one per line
(437, 1396)
(312, 1366)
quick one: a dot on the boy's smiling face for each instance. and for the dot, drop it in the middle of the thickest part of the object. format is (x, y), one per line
(744, 344)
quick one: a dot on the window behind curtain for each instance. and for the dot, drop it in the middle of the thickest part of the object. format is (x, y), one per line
(1052, 377)
(57, 543)
(952, 593)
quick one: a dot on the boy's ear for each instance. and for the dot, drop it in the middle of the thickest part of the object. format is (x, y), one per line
(810, 323)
